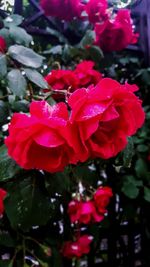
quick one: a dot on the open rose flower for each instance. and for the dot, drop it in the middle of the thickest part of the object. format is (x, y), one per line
(2, 45)
(62, 80)
(115, 34)
(77, 248)
(102, 197)
(97, 10)
(2, 196)
(65, 10)
(86, 74)
(105, 116)
(41, 139)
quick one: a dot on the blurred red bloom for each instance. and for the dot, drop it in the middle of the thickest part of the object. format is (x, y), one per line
(102, 197)
(97, 10)
(84, 212)
(62, 9)
(62, 80)
(88, 213)
(116, 34)
(86, 74)
(77, 248)
(2, 196)
(2, 45)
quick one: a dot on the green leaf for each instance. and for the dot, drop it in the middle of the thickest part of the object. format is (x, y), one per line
(6, 240)
(29, 206)
(147, 194)
(58, 182)
(141, 168)
(130, 187)
(95, 53)
(8, 167)
(26, 56)
(88, 38)
(128, 153)
(16, 82)
(35, 77)
(20, 106)
(5, 34)
(57, 34)
(3, 65)
(20, 36)
(142, 148)
(4, 112)
(14, 20)
(6, 263)
(55, 50)
(130, 190)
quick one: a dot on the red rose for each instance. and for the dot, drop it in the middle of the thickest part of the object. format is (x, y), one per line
(2, 196)
(65, 10)
(86, 74)
(78, 248)
(102, 197)
(41, 140)
(83, 212)
(84, 241)
(89, 214)
(62, 80)
(74, 210)
(105, 116)
(116, 34)
(97, 10)
(2, 45)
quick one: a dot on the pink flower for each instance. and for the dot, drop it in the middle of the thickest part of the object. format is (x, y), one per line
(86, 74)
(88, 213)
(77, 248)
(102, 197)
(105, 116)
(83, 212)
(2, 196)
(62, 9)
(41, 140)
(116, 34)
(97, 10)
(2, 45)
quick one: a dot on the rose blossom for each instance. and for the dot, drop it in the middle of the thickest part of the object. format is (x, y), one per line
(74, 210)
(65, 10)
(115, 34)
(2, 196)
(97, 10)
(83, 212)
(105, 116)
(2, 45)
(41, 140)
(102, 197)
(77, 248)
(62, 80)
(86, 74)
(88, 213)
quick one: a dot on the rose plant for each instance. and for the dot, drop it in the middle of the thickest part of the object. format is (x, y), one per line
(66, 131)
